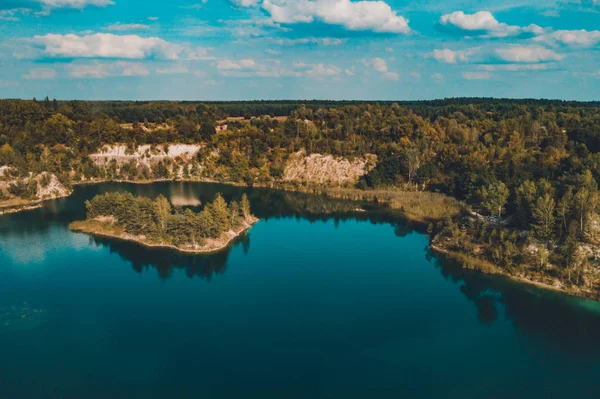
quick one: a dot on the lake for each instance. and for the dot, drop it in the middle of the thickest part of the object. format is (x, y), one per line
(315, 301)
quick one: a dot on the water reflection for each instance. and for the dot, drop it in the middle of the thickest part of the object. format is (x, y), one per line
(165, 261)
(31, 228)
(547, 317)
(266, 204)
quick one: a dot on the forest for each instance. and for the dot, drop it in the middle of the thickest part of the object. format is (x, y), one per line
(159, 222)
(525, 170)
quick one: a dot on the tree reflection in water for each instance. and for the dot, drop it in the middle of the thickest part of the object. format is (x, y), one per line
(547, 317)
(571, 324)
(166, 260)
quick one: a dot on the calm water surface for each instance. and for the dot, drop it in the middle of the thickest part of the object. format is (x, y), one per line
(315, 301)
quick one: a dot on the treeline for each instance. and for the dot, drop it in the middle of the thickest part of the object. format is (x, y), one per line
(455, 146)
(159, 221)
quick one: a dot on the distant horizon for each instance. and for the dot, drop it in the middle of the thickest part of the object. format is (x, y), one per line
(316, 100)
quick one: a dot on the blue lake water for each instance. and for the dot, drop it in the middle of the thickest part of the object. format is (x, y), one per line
(316, 301)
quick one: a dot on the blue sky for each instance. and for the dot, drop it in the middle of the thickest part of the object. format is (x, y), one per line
(299, 49)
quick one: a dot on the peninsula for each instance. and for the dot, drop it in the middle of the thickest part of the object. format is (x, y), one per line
(156, 223)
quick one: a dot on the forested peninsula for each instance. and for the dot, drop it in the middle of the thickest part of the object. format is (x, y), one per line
(155, 223)
(505, 186)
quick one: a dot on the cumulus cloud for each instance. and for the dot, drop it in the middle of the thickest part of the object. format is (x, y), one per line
(100, 70)
(108, 45)
(125, 27)
(450, 56)
(573, 38)
(483, 22)
(528, 54)
(380, 66)
(376, 16)
(476, 75)
(40, 74)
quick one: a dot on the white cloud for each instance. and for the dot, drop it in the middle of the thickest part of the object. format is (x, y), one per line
(196, 6)
(49, 5)
(274, 69)
(173, 70)
(108, 45)
(516, 67)
(415, 75)
(41, 74)
(450, 56)
(528, 54)
(246, 3)
(252, 27)
(13, 14)
(380, 66)
(319, 71)
(574, 38)
(125, 27)
(75, 3)
(152, 18)
(476, 75)
(324, 41)
(99, 70)
(376, 16)
(227, 64)
(485, 22)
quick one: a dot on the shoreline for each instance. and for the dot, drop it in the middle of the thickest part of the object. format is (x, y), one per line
(216, 245)
(330, 192)
(29, 205)
(496, 271)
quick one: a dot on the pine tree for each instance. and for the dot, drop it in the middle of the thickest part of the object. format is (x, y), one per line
(543, 214)
(162, 208)
(245, 206)
(220, 214)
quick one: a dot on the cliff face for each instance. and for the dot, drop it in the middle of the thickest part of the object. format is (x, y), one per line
(299, 168)
(145, 154)
(29, 192)
(51, 188)
(326, 169)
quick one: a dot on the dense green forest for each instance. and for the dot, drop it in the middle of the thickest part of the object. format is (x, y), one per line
(519, 165)
(158, 221)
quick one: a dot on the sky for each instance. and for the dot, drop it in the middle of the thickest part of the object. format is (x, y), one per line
(299, 49)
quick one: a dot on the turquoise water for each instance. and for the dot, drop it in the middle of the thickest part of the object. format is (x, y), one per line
(316, 301)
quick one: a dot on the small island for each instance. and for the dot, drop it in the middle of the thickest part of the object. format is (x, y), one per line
(156, 223)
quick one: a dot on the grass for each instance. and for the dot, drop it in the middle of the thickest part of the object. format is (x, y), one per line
(425, 207)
